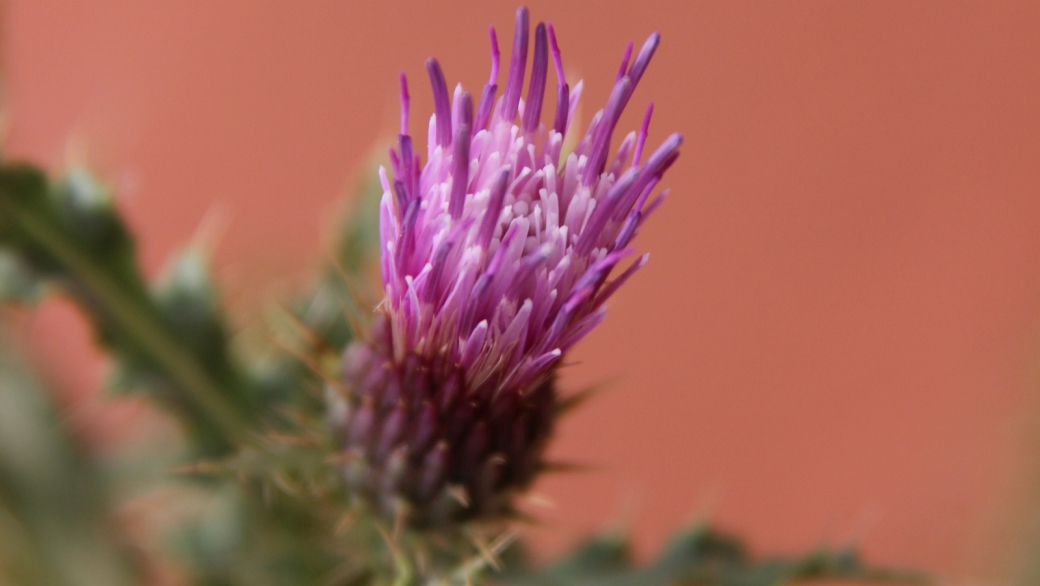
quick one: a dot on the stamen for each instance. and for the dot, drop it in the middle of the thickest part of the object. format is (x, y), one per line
(494, 209)
(563, 97)
(440, 101)
(653, 205)
(432, 281)
(406, 240)
(517, 65)
(557, 56)
(539, 72)
(563, 91)
(624, 62)
(487, 97)
(641, 139)
(407, 163)
(495, 57)
(460, 160)
(628, 230)
(487, 101)
(662, 158)
(604, 210)
(614, 285)
(643, 59)
(401, 194)
(404, 104)
(641, 62)
(395, 163)
(659, 161)
(527, 266)
(601, 141)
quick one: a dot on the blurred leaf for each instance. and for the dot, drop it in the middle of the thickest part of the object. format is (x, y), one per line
(172, 343)
(17, 282)
(698, 555)
(54, 511)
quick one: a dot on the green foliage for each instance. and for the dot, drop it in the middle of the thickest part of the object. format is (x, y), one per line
(698, 555)
(171, 344)
(55, 520)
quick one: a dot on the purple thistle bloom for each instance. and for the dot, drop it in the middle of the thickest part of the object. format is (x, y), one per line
(495, 260)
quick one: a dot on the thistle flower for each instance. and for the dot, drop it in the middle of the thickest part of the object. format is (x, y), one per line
(495, 260)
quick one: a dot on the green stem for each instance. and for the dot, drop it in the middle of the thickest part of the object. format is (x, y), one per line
(142, 326)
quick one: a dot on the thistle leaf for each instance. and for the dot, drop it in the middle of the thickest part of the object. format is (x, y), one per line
(69, 235)
(55, 525)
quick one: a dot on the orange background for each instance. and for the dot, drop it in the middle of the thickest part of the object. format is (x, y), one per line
(837, 334)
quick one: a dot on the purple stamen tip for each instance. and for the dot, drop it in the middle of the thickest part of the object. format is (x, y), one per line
(643, 59)
(496, 56)
(405, 100)
(539, 72)
(624, 61)
(440, 101)
(494, 209)
(460, 160)
(601, 140)
(643, 131)
(563, 98)
(487, 101)
(557, 56)
(517, 65)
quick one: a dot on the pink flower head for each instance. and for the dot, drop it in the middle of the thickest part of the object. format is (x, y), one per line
(496, 256)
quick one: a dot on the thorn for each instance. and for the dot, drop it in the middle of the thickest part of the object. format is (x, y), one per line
(315, 339)
(388, 539)
(422, 560)
(711, 494)
(539, 500)
(283, 483)
(399, 518)
(345, 522)
(627, 507)
(294, 440)
(486, 553)
(309, 362)
(356, 296)
(403, 567)
(342, 458)
(568, 404)
(865, 522)
(201, 467)
(503, 541)
(211, 229)
(552, 467)
(352, 320)
(458, 492)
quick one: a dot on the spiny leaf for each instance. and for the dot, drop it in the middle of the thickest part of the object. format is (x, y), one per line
(55, 524)
(172, 343)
